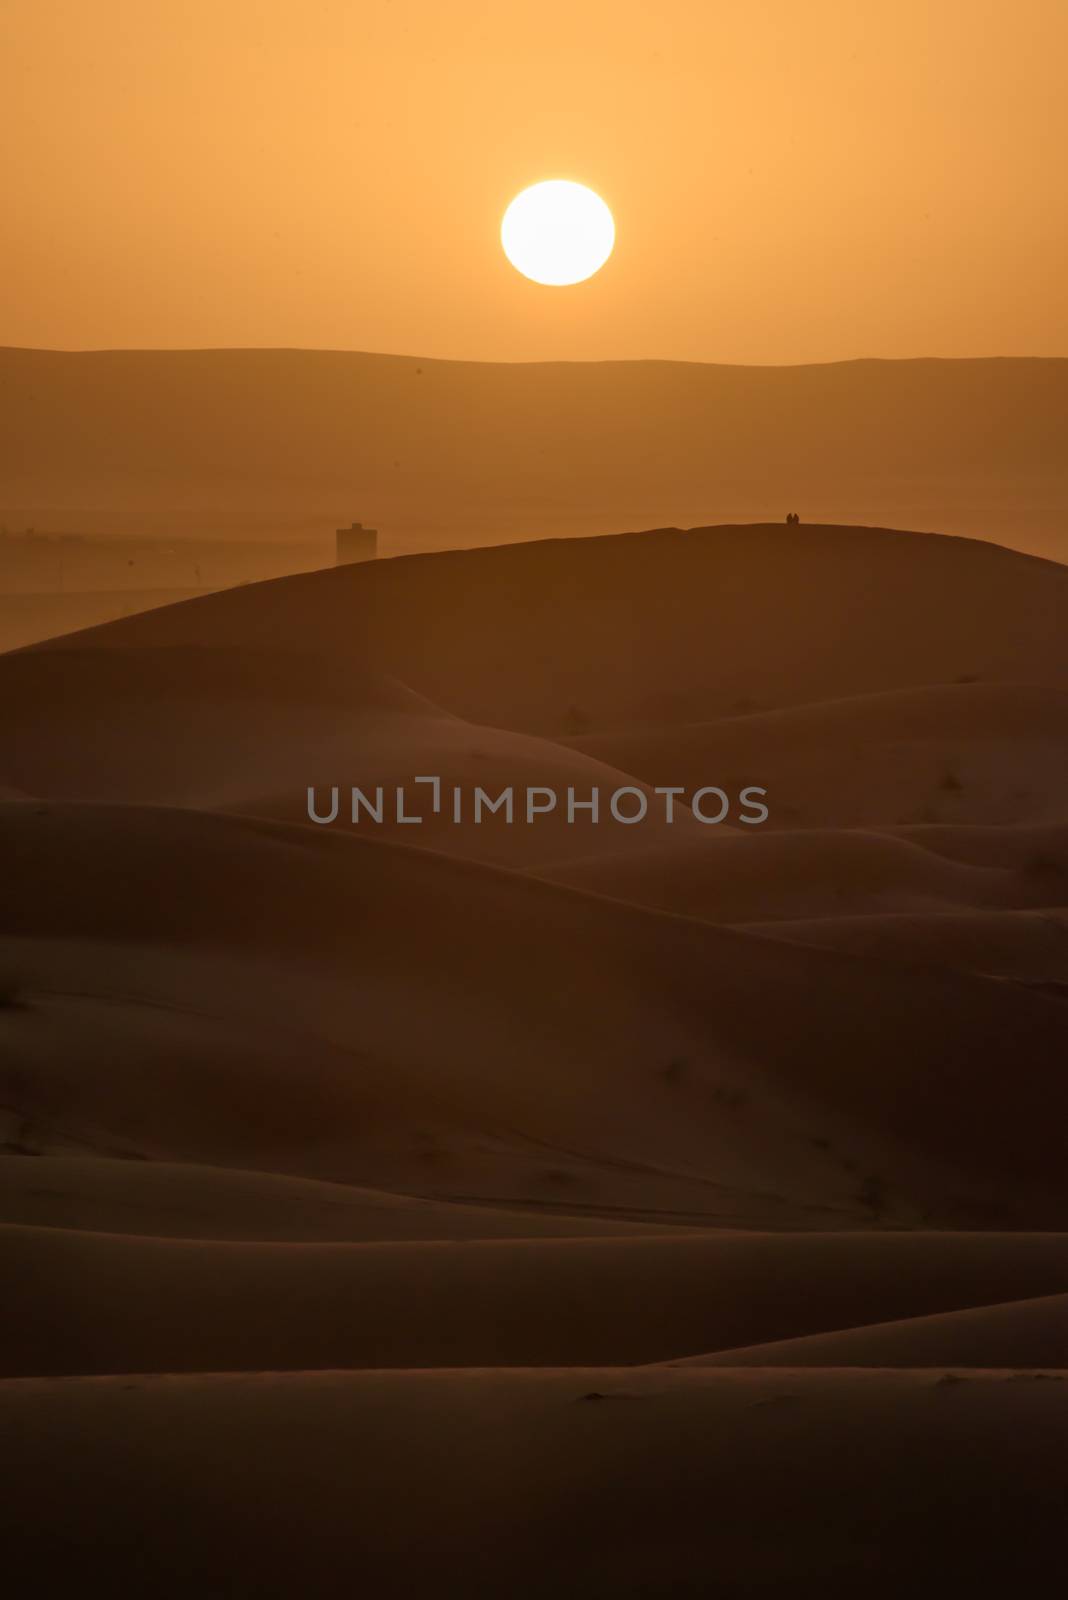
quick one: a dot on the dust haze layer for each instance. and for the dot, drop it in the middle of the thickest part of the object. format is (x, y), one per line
(449, 452)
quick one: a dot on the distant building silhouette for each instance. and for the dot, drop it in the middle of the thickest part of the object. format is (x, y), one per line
(356, 543)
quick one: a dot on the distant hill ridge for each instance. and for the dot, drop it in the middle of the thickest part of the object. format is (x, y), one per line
(451, 452)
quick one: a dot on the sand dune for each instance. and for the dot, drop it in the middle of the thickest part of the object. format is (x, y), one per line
(84, 1302)
(1038, 849)
(252, 731)
(821, 872)
(372, 675)
(28, 618)
(277, 1100)
(522, 1483)
(163, 1199)
(1010, 944)
(253, 954)
(968, 709)
(956, 753)
(1029, 1334)
(665, 626)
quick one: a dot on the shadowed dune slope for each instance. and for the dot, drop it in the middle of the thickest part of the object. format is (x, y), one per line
(969, 710)
(252, 731)
(164, 1199)
(664, 626)
(1024, 945)
(1039, 849)
(524, 1484)
(417, 1000)
(95, 1303)
(818, 872)
(1021, 1333)
(955, 753)
(445, 664)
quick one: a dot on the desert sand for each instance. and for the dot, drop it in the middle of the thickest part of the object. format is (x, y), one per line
(591, 1481)
(1026, 1333)
(565, 1209)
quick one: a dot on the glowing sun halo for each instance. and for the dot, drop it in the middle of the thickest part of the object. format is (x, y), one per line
(558, 232)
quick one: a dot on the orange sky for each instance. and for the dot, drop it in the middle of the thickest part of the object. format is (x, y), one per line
(792, 180)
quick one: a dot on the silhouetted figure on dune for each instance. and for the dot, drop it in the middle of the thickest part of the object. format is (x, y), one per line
(792, 516)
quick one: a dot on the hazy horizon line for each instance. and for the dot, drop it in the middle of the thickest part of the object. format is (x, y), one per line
(469, 361)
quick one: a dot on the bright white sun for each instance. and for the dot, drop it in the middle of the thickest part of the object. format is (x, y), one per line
(558, 232)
